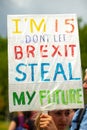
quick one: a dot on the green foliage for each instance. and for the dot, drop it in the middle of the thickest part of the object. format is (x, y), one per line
(3, 76)
(83, 45)
(4, 125)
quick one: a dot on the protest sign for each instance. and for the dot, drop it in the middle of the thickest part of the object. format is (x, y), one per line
(44, 62)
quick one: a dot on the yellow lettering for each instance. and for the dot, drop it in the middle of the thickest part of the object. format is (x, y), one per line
(32, 22)
(16, 26)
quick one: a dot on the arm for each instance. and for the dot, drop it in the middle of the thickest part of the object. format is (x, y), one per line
(12, 125)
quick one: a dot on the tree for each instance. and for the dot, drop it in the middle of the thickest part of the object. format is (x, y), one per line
(83, 44)
(3, 76)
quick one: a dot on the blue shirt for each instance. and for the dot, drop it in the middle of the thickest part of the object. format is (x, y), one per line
(83, 124)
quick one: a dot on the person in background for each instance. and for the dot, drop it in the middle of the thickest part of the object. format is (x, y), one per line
(83, 122)
(22, 121)
(72, 112)
(17, 121)
(54, 120)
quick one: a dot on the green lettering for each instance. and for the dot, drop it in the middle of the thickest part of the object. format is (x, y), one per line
(42, 94)
(57, 96)
(18, 100)
(64, 97)
(78, 95)
(72, 96)
(30, 97)
(60, 96)
(48, 96)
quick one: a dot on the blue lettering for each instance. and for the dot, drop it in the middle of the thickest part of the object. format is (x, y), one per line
(70, 73)
(28, 39)
(20, 72)
(32, 71)
(43, 71)
(59, 70)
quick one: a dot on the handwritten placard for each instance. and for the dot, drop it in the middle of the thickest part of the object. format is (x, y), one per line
(44, 62)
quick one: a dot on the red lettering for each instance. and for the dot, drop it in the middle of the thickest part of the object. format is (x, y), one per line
(43, 50)
(66, 52)
(56, 51)
(30, 50)
(72, 49)
(56, 25)
(18, 52)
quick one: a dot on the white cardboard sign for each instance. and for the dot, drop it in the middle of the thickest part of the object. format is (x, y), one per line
(44, 62)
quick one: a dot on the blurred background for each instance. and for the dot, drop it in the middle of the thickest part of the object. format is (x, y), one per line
(36, 7)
